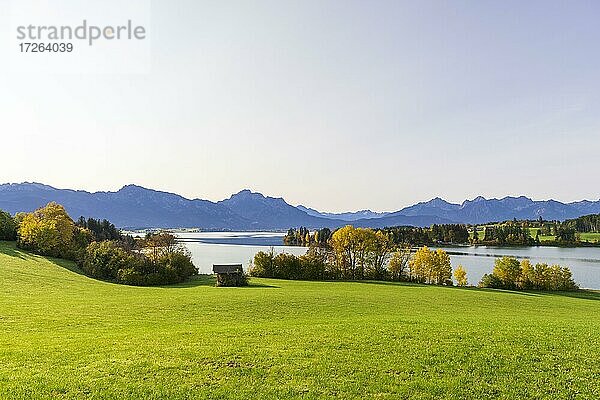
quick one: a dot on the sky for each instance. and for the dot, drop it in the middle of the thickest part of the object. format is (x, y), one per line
(337, 105)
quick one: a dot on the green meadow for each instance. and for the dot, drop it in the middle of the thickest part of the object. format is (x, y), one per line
(66, 336)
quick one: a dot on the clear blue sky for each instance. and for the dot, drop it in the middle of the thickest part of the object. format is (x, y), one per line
(338, 105)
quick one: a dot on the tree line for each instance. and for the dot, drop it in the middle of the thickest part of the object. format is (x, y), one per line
(356, 254)
(362, 253)
(585, 224)
(436, 234)
(304, 237)
(507, 233)
(99, 248)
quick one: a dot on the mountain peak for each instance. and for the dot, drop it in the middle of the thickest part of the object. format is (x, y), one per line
(246, 194)
(132, 186)
(437, 201)
(132, 189)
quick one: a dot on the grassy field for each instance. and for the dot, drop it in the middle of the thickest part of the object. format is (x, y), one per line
(590, 236)
(533, 232)
(63, 335)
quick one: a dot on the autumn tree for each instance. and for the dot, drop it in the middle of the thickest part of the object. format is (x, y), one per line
(430, 266)
(48, 231)
(510, 274)
(460, 274)
(508, 270)
(346, 250)
(398, 265)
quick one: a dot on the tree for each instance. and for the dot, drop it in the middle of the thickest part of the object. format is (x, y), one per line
(101, 230)
(430, 266)
(508, 270)
(8, 227)
(510, 274)
(527, 275)
(160, 243)
(263, 265)
(461, 276)
(398, 265)
(442, 268)
(345, 247)
(48, 231)
(381, 248)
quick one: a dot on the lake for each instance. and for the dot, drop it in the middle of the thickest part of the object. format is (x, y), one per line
(210, 248)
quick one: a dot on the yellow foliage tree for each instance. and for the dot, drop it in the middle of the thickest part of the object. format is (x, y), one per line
(460, 274)
(361, 252)
(431, 266)
(47, 231)
(508, 270)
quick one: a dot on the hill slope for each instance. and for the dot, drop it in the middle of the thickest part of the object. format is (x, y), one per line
(65, 335)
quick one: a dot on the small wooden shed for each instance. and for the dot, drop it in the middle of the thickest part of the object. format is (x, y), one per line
(230, 275)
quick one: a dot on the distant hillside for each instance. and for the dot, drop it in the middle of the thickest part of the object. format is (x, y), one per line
(131, 206)
(345, 216)
(137, 207)
(481, 210)
(271, 213)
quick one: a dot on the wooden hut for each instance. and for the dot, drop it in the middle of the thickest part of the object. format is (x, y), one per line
(230, 275)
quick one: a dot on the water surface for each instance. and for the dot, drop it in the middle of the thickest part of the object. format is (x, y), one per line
(210, 248)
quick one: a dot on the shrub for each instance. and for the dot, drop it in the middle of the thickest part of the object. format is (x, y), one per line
(111, 261)
(263, 265)
(106, 259)
(310, 266)
(490, 281)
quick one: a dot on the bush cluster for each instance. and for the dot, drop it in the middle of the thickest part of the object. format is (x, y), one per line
(311, 266)
(511, 274)
(99, 247)
(110, 261)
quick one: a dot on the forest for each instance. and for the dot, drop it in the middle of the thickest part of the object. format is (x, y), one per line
(582, 231)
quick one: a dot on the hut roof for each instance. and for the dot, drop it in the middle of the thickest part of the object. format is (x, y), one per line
(227, 268)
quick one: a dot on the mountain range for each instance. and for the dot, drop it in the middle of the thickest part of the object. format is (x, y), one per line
(134, 206)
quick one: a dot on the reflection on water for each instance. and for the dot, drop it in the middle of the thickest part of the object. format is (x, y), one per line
(239, 247)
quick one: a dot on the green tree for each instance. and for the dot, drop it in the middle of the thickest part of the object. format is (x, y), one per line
(8, 227)
(475, 234)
